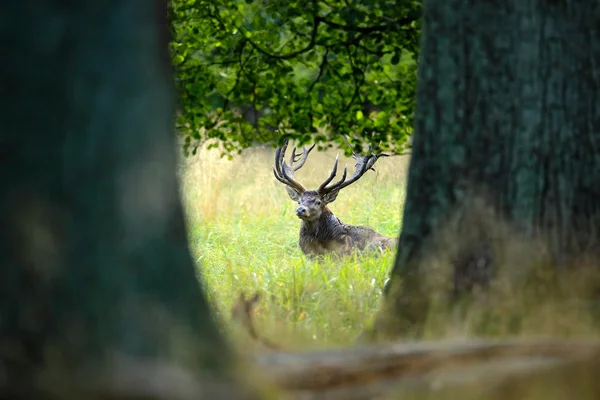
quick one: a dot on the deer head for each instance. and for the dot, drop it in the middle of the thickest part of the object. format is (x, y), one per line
(311, 203)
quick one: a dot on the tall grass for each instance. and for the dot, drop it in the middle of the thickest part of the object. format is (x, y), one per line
(244, 233)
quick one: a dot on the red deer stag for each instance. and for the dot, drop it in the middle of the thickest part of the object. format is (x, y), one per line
(321, 231)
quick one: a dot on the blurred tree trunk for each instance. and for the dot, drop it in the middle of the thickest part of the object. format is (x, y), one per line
(508, 108)
(95, 263)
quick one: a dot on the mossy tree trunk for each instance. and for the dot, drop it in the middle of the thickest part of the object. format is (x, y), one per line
(508, 107)
(93, 246)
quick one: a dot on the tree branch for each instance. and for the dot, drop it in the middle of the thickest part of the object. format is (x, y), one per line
(322, 66)
(242, 64)
(357, 82)
(393, 25)
(354, 28)
(313, 38)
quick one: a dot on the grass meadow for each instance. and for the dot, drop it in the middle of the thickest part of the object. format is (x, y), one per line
(243, 234)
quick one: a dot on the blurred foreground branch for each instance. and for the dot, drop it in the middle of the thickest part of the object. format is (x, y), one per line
(465, 369)
(434, 367)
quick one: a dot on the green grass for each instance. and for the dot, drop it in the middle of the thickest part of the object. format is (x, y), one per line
(243, 235)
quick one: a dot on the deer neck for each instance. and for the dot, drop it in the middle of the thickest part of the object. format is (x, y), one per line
(323, 228)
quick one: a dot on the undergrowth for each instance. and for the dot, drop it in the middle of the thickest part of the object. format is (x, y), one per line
(243, 234)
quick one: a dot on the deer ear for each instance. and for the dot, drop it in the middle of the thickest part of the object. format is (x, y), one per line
(330, 197)
(294, 195)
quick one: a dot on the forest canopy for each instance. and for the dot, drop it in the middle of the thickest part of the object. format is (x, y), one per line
(256, 71)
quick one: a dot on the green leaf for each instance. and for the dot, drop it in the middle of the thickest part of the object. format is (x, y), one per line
(178, 59)
(232, 57)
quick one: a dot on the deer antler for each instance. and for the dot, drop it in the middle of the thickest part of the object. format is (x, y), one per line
(363, 163)
(374, 158)
(294, 158)
(283, 172)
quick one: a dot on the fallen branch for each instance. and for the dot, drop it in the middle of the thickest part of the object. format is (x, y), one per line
(507, 370)
(370, 370)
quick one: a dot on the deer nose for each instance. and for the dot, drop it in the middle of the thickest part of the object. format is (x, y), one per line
(300, 211)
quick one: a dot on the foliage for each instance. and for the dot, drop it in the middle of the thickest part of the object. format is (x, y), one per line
(248, 70)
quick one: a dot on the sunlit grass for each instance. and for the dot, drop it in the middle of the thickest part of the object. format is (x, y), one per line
(244, 233)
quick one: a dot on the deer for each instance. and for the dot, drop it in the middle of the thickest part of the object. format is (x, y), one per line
(321, 232)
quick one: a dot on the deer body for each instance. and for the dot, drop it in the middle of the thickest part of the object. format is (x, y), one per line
(328, 234)
(321, 231)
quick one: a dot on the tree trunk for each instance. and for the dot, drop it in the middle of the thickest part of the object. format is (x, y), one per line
(96, 270)
(507, 111)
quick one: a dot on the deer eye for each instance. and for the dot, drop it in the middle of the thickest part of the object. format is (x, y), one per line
(318, 202)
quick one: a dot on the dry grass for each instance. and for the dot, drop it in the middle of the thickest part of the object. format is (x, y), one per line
(243, 233)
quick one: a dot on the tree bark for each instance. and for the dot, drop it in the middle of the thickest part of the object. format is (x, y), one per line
(95, 263)
(508, 110)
